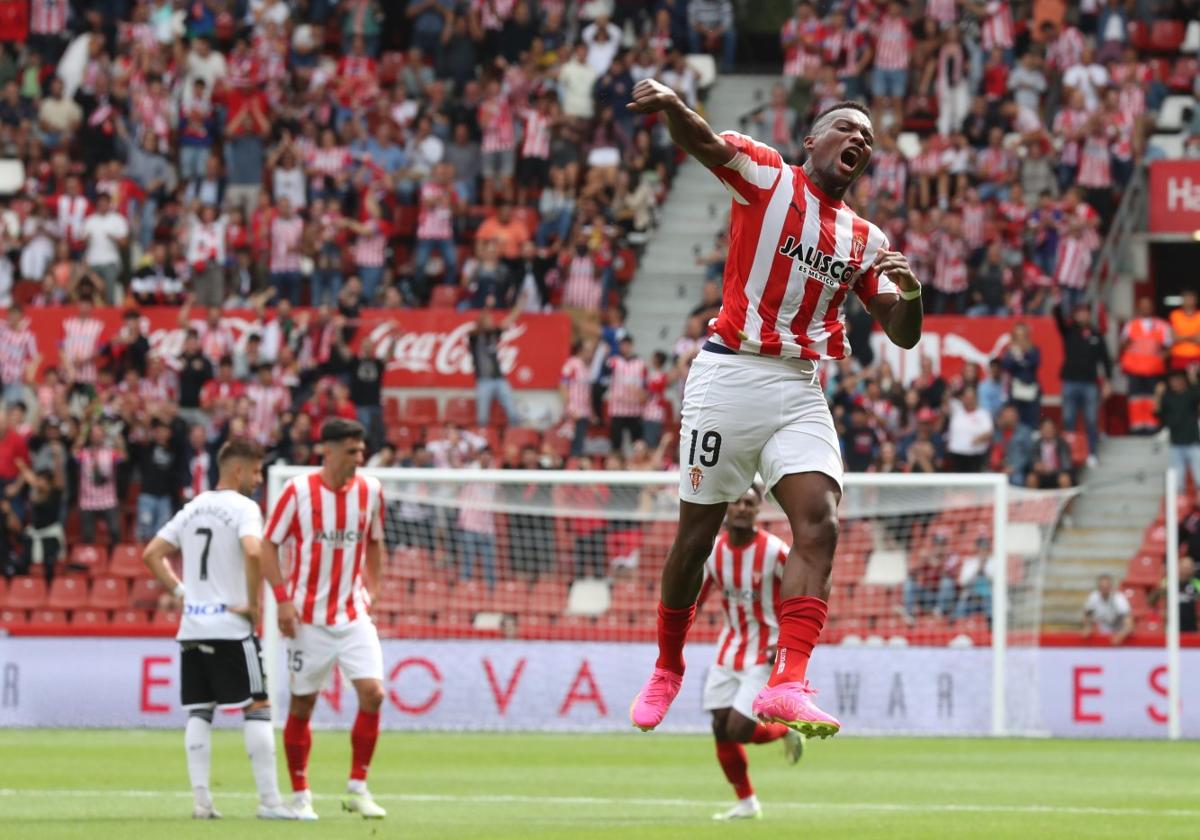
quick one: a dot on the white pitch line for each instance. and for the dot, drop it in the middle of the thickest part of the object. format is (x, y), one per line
(521, 799)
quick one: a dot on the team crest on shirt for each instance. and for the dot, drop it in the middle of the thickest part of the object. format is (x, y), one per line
(858, 246)
(697, 476)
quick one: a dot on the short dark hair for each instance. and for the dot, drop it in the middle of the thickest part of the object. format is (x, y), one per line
(247, 450)
(339, 428)
(845, 103)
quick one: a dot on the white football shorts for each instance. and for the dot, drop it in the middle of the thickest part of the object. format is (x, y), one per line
(354, 647)
(725, 688)
(746, 414)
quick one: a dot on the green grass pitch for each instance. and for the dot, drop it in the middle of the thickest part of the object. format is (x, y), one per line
(111, 784)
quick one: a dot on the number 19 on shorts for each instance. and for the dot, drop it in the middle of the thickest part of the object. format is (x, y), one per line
(709, 444)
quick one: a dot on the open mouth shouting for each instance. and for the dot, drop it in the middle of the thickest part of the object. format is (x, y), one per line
(850, 158)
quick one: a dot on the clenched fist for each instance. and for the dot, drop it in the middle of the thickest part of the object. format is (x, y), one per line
(650, 96)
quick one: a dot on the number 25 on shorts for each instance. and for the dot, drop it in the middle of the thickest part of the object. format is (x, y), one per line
(710, 448)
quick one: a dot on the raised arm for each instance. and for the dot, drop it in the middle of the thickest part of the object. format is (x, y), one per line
(900, 318)
(688, 129)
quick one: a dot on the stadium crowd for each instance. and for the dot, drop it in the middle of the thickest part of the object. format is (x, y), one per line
(476, 153)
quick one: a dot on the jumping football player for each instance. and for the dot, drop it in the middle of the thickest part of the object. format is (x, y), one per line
(746, 567)
(219, 534)
(753, 402)
(334, 521)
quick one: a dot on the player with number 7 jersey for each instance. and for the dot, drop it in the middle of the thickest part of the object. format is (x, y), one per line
(330, 525)
(753, 401)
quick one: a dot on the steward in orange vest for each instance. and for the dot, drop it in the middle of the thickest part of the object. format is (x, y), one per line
(1145, 342)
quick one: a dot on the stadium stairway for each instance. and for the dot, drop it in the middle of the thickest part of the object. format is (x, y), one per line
(1103, 527)
(668, 282)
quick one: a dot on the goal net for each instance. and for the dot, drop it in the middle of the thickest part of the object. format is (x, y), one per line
(951, 564)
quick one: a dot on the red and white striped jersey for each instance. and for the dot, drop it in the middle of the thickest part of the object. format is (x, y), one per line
(72, 212)
(80, 346)
(435, 216)
(536, 141)
(1095, 163)
(583, 289)
(794, 254)
(327, 533)
(893, 44)
(370, 249)
(950, 263)
(974, 222)
(17, 349)
(918, 247)
(496, 120)
(48, 17)
(215, 342)
(286, 235)
(1073, 263)
(890, 173)
(995, 163)
(749, 579)
(328, 162)
(944, 12)
(657, 408)
(1066, 50)
(1120, 131)
(198, 474)
(577, 380)
(1067, 123)
(98, 478)
(267, 405)
(626, 390)
(1132, 101)
(802, 55)
(997, 25)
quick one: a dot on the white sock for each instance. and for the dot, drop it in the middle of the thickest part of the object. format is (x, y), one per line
(260, 747)
(356, 786)
(197, 740)
(750, 801)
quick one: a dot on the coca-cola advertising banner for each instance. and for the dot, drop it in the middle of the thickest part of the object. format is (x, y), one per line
(423, 348)
(1175, 196)
(952, 341)
(587, 687)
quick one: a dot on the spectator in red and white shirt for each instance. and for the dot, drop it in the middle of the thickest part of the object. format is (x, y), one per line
(81, 344)
(435, 223)
(18, 355)
(801, 37)
(657, 410)
(218, 395)
(497, 121)
(626, 398)
(575, 389)
(1073, 265)
(893, 51)
(949, 283)
(99, 454)
(287, 235)
(995, 166)
(534, 167)
(206, 238)
(370, 246)
(268, 402)
(583, 287)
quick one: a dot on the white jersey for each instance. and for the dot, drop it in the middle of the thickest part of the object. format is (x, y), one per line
(328, 532)
(748, 579)
(208, 532)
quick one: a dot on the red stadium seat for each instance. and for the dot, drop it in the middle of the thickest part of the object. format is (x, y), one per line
(460, 411)
(109, 593)
(165, 618)
(512, 596)
(1166, 36)
(444, 297)
(129, 618)
(67, 593)
(430, 595)
(404, 438)
(391, 410)
(420, 411)
(407, 563)
(127, 562)
(473, 596)
(394, 595)
(90, 558)
(1144, 570)
(13, 618)
(26, 593)
(90, 618)
(45, 616)
(144, 593)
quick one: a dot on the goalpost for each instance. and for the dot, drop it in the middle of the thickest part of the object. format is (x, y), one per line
(940, 561)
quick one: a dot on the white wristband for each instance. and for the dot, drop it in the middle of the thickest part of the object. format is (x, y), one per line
(178, 590)
(910, 294)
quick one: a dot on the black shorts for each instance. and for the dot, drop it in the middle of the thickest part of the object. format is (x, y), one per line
(228, 672)
(533, 171)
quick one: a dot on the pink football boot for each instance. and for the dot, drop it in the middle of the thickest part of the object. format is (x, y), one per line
(650, 706)
(792, 705)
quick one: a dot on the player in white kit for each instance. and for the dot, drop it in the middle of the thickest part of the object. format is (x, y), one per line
(332, 519)
(219, 534)
(746, 569)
